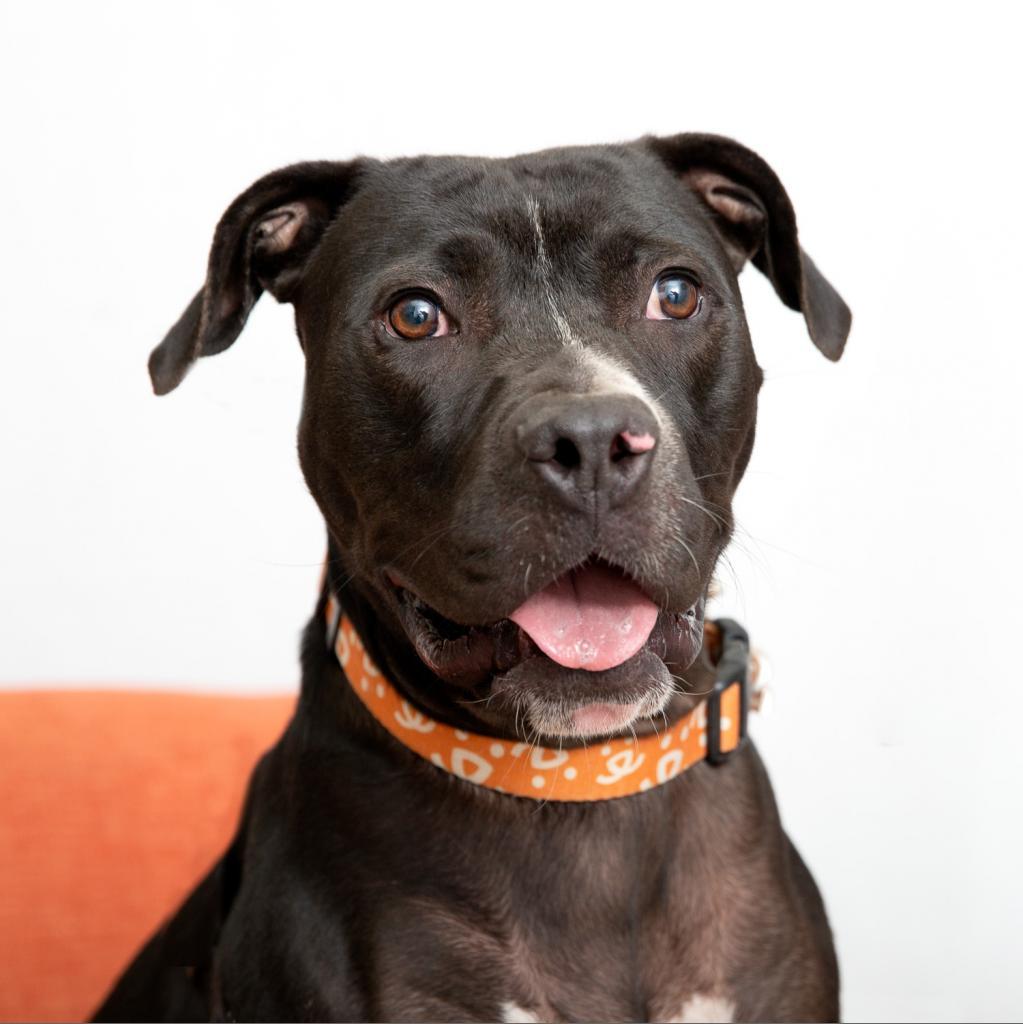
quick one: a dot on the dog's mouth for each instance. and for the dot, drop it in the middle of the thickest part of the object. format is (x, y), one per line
(589, 654)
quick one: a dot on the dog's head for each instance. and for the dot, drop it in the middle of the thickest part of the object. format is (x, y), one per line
(530, 395)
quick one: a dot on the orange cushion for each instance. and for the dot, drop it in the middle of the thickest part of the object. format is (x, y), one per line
(112, 806)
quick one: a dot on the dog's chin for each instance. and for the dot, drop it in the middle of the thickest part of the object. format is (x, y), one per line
(500, 676)
(554, 702)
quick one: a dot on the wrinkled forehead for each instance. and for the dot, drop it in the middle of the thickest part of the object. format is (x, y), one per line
(573, 209)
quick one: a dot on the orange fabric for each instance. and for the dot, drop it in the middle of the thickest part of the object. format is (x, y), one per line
(112, 806)
(598, 771)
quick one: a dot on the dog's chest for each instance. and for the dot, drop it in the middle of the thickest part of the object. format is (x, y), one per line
(587, 978)
(673, 906)
(605, 948)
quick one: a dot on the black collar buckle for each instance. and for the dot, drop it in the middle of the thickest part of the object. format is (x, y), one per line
(732, 670)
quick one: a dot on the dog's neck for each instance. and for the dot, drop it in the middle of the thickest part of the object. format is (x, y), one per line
(605, 769)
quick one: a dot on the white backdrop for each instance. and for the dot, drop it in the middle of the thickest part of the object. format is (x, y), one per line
(172, 543)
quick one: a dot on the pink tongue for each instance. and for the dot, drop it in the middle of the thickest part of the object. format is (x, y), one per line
(593, 618)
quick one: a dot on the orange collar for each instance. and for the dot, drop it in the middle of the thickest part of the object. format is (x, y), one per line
(602, 770)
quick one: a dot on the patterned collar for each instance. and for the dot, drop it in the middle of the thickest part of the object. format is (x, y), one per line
(601, 770)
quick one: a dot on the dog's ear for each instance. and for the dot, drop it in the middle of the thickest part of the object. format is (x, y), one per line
(756, 222)
(262, 242)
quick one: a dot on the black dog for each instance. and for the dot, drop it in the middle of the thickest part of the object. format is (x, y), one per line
(530, 395)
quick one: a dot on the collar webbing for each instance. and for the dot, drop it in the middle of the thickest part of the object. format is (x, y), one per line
(602, 770)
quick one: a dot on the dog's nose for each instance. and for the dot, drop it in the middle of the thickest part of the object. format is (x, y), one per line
(589, 448)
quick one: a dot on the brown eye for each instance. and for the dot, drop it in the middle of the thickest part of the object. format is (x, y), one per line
(415, 317)
(674, 296)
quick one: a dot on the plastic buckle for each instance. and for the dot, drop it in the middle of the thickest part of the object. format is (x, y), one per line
(732, 670)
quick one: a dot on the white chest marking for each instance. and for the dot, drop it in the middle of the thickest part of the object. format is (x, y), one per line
(543, 262)
(703, 1009)
(697, 1009)
(512, 1013)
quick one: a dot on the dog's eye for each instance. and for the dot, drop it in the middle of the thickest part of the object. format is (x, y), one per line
(416, 316)
(674, 296)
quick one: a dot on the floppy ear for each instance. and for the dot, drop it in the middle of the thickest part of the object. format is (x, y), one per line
(756, 221)
(263, 241)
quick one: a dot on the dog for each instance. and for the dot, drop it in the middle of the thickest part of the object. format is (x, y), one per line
(530, 394)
